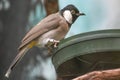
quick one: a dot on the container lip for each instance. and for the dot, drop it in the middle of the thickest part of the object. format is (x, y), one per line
(84, 37)
(99, 34)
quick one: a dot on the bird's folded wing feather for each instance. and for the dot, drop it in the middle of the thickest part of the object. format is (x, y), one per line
(47, 24)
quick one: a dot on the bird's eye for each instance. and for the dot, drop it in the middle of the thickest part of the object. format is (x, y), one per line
(73, 12)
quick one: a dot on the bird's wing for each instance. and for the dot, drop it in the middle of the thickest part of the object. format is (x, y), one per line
(47, 24)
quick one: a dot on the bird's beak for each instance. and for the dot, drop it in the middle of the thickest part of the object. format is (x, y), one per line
(80, 14)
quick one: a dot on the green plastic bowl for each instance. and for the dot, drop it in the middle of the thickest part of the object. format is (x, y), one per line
(82, 53)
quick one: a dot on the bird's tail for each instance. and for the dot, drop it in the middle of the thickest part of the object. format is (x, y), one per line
(21, 53)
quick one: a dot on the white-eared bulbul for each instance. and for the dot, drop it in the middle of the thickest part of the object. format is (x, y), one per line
(48, 32)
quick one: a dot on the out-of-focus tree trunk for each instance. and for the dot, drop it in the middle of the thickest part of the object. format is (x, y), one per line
(51, 6)
(12, 24)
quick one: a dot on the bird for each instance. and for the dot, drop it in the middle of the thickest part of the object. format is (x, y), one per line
(47, 33)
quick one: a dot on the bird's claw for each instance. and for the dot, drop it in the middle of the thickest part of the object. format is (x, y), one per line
(53, 42)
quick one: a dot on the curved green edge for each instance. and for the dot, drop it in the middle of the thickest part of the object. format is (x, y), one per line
(86, 43)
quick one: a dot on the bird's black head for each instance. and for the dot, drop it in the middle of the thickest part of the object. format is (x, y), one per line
(70, 13)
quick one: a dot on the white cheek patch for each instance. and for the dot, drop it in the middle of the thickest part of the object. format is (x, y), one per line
(68, 16)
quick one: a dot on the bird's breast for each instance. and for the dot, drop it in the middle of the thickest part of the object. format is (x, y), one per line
(57, 33)
(59, 28)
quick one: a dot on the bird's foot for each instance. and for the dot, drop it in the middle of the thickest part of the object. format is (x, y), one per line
(52, 43)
